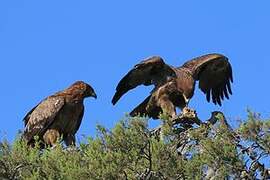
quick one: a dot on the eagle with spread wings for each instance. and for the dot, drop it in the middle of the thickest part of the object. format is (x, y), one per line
(174, 86)
(57, 116)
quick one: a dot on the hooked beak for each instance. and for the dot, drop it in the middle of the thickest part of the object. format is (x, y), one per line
(94, 95)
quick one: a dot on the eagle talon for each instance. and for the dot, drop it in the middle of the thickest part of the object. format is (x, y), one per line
(189, 113)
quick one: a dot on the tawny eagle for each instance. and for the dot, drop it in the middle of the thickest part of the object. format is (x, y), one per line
(174, 86)
(58, 115)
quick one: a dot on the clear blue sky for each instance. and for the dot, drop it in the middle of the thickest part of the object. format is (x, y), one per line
(47, 45)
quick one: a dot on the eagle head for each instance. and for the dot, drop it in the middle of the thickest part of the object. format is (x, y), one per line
(85, 89)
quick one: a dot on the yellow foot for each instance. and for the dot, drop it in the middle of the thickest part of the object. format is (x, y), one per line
(189, 113)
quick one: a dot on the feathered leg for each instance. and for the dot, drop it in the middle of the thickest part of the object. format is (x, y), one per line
(51, 137)
(167, 106)
(186, 111)
(69, 139)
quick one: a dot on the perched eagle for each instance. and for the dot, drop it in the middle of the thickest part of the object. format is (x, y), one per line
(174, 87)
(57, 116)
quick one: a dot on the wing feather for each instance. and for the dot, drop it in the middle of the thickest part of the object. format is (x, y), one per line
(40, 117)
(141, 108)
(79, 121)
(150, 71)
(214, 73)
(27, 116)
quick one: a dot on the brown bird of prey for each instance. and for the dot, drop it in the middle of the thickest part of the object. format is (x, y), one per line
(58, 115)
(174, 86)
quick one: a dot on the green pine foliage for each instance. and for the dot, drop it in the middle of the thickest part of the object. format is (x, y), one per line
(131, 150)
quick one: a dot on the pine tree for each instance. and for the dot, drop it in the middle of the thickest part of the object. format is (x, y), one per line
(182, 148)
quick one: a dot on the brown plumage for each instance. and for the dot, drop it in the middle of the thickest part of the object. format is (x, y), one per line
(57, 116)
(174, 87)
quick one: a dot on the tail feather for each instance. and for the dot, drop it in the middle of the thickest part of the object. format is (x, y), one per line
(141, 108)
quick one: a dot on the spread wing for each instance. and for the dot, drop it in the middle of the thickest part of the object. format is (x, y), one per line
(40, 117)
(214, 73)
(150, 71)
